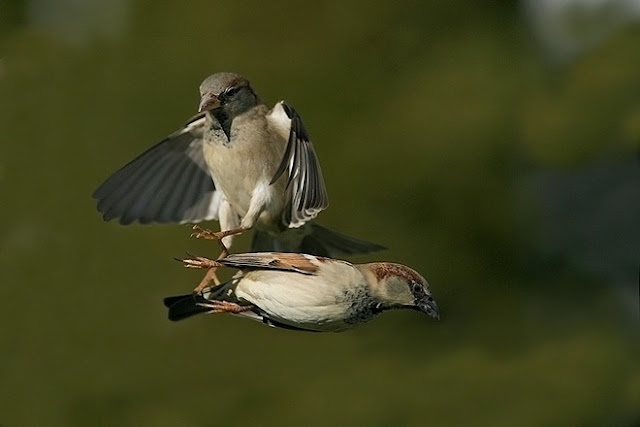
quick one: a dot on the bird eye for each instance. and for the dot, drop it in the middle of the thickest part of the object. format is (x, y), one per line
(416, 287)
(231, 91)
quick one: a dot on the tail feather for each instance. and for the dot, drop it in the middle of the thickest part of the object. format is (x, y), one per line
(266, 242)
(169, 301)
(320, 241)
(335, 243)
(183, 306)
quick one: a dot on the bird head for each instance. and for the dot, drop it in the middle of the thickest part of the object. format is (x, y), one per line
(396, 285)
(228, 91)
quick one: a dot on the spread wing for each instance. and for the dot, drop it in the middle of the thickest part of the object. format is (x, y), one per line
(170, 182)
(283, 261)
(306, 193)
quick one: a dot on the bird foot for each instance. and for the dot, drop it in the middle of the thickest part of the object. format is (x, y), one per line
(204, 233)
(200, 262)
(210, 276)
(224, 307)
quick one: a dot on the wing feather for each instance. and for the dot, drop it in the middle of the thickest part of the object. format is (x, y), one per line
(282, 261)
(170, 182)
(306, 193)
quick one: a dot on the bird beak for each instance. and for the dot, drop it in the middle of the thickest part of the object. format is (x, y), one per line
(208, 102)
(429, 306)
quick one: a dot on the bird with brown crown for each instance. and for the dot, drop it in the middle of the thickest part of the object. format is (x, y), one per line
(305, 292)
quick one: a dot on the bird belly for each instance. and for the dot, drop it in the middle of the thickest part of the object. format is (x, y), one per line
(299, 300)
(242, 169)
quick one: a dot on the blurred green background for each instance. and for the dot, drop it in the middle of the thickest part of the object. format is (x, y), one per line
(446, 131)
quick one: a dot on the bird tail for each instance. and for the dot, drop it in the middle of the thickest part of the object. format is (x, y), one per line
(320, 241)
(184, 306)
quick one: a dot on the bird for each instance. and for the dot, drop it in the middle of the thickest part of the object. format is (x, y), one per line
(238, 162)
(305, 292)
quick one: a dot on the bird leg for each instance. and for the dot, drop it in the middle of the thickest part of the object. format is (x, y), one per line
(225, 307)
(201, 262)
(202, 233)
(210, 276)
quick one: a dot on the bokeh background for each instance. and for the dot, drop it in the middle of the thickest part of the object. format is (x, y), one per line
(490, 145)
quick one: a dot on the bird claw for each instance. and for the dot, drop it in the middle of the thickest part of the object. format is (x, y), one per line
(203, 233)
(202, 262)
(199, 262)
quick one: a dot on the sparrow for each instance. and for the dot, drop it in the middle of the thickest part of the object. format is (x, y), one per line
(238, 162)
(305, 292)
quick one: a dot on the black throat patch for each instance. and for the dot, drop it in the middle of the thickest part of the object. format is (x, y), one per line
(224, 120)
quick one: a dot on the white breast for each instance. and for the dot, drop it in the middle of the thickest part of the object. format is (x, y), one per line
(315, 302)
